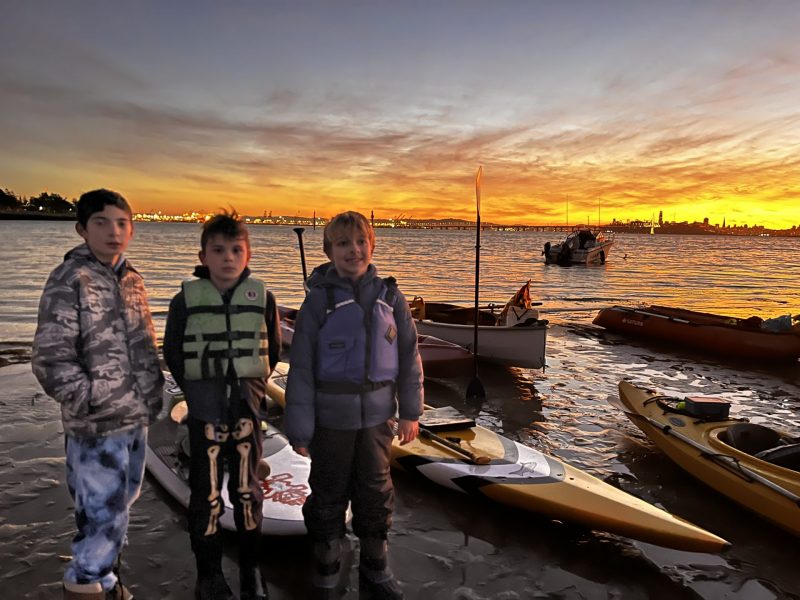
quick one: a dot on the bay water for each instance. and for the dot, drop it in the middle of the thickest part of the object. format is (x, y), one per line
(445, 545)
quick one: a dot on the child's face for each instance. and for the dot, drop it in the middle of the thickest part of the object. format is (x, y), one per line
(107, 233)
(351, 253)
(225, 258)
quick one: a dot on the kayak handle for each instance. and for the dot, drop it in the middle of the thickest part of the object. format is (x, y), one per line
(475, 458)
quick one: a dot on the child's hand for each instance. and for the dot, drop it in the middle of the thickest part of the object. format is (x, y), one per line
(407, 431)
(301, 450)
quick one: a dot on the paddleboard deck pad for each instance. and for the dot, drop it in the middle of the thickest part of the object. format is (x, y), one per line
(492, 466)
(285, 488)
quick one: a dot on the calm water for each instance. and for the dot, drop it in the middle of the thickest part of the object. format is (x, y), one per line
(446, 546)
(736, 275)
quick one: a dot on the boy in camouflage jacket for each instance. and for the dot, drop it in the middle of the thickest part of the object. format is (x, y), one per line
(95, 353)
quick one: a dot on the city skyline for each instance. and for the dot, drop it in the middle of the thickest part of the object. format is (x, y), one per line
(51, 205)
(685, 107)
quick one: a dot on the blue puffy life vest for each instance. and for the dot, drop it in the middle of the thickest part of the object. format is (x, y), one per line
(356, 349)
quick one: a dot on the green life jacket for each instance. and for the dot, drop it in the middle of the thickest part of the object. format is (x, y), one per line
(219, 334)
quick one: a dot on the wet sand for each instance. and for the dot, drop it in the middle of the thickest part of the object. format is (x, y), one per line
(445, 545)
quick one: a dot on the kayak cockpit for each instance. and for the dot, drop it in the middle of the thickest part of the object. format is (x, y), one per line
(763, 443)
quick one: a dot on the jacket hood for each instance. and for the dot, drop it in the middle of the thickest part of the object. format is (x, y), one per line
(317, 276)
(83, 253)
(326, 275)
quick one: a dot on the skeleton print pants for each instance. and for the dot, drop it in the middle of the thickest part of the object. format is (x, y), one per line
(214, 447)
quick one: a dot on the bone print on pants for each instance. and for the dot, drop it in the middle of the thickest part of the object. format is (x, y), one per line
(237, 447)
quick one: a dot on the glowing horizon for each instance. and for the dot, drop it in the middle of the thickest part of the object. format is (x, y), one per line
(674, 107)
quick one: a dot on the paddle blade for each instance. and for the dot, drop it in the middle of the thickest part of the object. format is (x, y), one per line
(475, 390)
(478, 176)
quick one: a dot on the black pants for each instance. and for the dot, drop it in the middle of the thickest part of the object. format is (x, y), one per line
(350, 466)
(235, 445)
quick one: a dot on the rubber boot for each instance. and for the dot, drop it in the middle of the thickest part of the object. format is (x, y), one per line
(327, 569)
(119, 592)
(211, 584)
(93, 591)
(83, 591)
(252, 584)
(375, 579)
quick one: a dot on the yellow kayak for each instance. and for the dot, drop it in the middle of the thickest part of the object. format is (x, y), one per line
(474, 460)
(754, 465)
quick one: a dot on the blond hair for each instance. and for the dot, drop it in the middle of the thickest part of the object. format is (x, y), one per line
(349, 220)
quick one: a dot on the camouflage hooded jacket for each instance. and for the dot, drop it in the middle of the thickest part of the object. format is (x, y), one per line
(95, 347)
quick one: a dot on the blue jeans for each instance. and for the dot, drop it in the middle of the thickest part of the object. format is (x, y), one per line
(104, 477)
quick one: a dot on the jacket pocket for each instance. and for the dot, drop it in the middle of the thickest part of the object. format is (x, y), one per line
(333, 360)
(78, 405)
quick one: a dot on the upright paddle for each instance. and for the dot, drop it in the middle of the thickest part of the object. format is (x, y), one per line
(299, 231)
(475, 389)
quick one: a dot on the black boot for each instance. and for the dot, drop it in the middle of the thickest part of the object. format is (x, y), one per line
(119, 591)
(375, 579)
(213, 587)
(253, 586)
(211, 584)
(328, 581)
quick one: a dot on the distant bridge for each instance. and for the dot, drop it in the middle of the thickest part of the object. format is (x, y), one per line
(461, 224)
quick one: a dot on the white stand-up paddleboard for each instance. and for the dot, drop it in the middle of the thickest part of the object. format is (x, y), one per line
(285, 487)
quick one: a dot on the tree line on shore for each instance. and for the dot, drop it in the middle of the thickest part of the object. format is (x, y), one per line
(44, 202)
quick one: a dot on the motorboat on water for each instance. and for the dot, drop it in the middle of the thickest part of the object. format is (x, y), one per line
(580, 247)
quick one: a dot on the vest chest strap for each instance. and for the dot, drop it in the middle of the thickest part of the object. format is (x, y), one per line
(346, 387)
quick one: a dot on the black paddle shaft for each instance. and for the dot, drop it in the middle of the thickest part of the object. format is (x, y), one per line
(475, 389)
(429, 435)
(477, 288)
(299, 231)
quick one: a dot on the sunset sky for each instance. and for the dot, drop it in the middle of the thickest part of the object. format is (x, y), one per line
(687, 107)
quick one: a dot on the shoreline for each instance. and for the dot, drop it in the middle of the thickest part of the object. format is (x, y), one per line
(457, 225)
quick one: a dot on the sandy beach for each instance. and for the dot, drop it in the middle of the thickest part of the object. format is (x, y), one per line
(443, 545)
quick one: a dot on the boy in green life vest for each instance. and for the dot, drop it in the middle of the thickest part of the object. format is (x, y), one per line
(221, 341)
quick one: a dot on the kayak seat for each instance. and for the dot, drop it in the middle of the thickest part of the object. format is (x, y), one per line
(417, 306)
(751, 438)
(787, 456)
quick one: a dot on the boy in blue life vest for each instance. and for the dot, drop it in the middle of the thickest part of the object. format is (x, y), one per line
(355, 367)
(221, 341)
(95, 353)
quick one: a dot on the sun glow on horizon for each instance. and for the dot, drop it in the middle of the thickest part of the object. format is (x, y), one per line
(673, 108)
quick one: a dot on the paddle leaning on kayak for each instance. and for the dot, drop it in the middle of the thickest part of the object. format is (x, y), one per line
(754, 465)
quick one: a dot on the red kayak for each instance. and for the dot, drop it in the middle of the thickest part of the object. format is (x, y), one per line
(439, 357)
(716, 334)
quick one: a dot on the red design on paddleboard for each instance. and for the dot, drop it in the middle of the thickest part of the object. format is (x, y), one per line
(280, 488)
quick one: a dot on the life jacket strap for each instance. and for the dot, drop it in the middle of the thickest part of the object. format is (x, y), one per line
(232, 336)
(224, 309)
(348, 387)
(226, 353)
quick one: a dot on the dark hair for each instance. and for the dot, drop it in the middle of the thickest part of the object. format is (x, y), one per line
(351, 220)
(97, 200)
(227, 224)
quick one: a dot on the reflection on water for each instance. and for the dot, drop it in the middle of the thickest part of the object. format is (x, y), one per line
(443, 540)
(736, 275)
